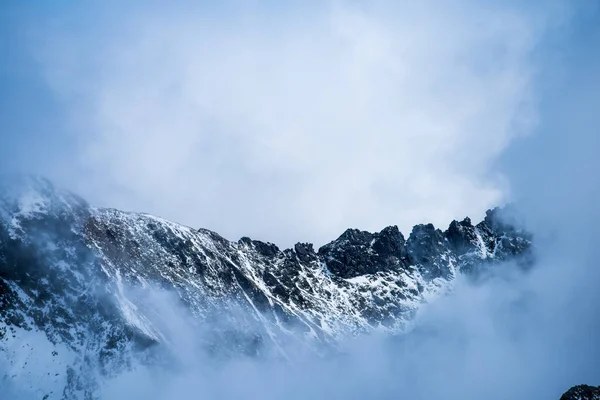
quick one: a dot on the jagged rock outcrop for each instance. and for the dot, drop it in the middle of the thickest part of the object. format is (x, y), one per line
(430, 250)
(582, 392)
(357, 253)
(75, 275)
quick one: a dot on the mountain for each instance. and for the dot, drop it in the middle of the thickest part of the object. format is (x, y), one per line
(80, 286)
(582, 392)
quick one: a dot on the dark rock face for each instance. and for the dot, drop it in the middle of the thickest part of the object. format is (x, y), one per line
(357, 253)
(582, 392)
(429, 249)
(305, 252)
(265, 249)
(74, 274)
(462, 235)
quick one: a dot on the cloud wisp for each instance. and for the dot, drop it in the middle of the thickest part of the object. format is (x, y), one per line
(294, 123)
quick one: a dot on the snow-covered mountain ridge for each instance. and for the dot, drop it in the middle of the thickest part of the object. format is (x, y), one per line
(72, 280)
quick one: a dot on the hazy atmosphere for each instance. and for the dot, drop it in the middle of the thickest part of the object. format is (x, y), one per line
(288, 122)
(292, 121)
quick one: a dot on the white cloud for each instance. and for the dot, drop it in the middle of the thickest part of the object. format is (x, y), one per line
(297, 123)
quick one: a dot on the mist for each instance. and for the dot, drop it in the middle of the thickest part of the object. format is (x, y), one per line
(287, 123)
(515, 334)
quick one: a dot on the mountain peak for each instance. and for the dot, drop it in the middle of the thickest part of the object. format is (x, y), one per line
(79, 276)
(582, 392)
(25, 198)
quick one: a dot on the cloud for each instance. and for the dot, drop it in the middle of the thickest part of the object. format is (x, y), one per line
(518, 336)
(296, 122)
(426, 100)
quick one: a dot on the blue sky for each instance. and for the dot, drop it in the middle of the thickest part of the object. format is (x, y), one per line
(293, 123)
(562, 151)
(27, 104)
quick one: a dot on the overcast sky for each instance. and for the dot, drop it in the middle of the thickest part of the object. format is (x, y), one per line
(294, 122)
(288, 122)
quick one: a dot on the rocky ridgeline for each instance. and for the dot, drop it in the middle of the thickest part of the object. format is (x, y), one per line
(74, 275)
(582, 392)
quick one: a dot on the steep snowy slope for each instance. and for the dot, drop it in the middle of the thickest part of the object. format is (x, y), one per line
(73, 280)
